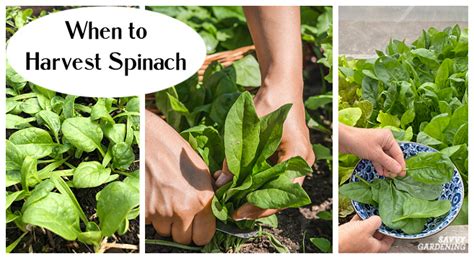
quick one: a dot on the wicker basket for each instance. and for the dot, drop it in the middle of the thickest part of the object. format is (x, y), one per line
(225, 58)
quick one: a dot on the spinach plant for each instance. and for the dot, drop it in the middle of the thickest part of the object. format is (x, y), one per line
(407, 202)
(199, 108)
(249, 141)
(58, 144)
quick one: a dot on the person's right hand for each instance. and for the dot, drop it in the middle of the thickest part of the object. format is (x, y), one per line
(179, 187)
(376, 145)
(361, 236)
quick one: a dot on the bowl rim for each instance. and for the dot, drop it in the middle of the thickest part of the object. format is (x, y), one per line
(426, 234)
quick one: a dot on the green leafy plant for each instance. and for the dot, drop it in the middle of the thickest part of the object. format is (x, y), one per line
(249, 141)
(199, 108)
(221, 27)
(61, 143)
(407, 202)
(322, 244)
(317, 34)
(418, 91)
(200, 111)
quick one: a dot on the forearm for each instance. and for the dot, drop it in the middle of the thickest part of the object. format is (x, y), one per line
(159, 136)
(344, 138)
(276, 34)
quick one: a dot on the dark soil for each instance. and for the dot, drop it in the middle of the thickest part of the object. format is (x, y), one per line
(298, 225)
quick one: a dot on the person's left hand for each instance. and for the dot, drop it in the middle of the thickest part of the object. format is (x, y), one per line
(295, 138)
(361, 236)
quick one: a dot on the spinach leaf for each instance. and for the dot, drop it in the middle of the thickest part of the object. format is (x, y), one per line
(17, 122)
(271, 129)
(51, 120)
(90, 174)
(28, 172)
(101, 111)
(122, 155)
(430, 168)
(56, 213)
(115, 132)
(83, 133)
(241, 136)
(279, 194)
(418, 208)
(33, 142)
(114, 203)
(418, 189)
(390, 203)
(208, 142)
(358, 191)
(414, 226)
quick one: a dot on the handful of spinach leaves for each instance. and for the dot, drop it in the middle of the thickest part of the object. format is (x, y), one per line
(406, 203)
(249, 141)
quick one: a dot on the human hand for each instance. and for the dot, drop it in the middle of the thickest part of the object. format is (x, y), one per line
(179, 187)
(376, 145)
(295, 137)
(361, 236)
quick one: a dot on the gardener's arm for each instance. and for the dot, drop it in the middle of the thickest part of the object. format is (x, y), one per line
(376, 145)
(276, 34)
(179, 187)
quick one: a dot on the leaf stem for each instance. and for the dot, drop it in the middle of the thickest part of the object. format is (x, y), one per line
(101, 150)
(362, 180)
(126, 114)
(13, 245)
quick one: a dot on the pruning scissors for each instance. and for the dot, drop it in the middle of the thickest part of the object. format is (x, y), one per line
(235, 231)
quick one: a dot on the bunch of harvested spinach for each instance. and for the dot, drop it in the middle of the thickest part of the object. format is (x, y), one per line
(249, 141)
(407, 202)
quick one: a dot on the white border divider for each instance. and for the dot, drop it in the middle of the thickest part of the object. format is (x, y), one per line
(142, 170)
(470, 119)
(335, 128)
(2, 130)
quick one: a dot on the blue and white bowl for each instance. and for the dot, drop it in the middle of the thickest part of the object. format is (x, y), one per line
(452, 191)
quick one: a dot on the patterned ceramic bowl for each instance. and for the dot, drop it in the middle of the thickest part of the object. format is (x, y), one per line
(452, 191)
